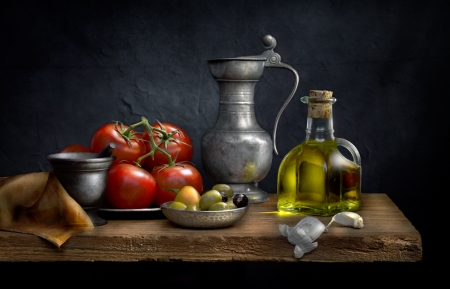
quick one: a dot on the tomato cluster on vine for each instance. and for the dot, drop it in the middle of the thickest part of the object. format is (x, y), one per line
(149, 166)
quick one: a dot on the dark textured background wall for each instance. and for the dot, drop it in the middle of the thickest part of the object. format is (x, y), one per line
(67, 67)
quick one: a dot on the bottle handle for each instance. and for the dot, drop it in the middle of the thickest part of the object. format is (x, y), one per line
(351, 148)
(274, 60)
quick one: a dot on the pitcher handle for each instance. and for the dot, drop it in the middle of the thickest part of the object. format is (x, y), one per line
(351, 148)
(274, 60)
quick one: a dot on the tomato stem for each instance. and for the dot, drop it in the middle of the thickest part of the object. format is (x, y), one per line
(150, 129)
(167, 137)
(127, 134)
(176, 191)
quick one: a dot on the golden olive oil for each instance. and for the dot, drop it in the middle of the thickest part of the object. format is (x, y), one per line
(316, 179)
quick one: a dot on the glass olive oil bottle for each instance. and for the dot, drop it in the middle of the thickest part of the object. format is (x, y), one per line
(314, 178)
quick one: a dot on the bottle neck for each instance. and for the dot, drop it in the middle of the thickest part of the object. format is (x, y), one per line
(320, 129)
(319, 125)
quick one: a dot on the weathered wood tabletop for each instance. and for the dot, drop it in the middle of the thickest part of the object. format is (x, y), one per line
(387, 235)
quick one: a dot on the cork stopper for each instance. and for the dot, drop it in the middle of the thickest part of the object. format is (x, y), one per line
(320, 94)
(319, 109)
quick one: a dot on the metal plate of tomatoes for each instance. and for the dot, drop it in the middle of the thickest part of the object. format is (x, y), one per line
(131, 214)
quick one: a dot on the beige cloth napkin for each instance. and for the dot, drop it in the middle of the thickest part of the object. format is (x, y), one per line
(37, 203)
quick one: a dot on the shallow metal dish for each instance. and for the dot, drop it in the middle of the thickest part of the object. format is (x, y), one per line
(112, 210)
(204, 219)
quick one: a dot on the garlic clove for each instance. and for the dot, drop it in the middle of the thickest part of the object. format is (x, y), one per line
(348, 219)
(284, 229)
(300, 250)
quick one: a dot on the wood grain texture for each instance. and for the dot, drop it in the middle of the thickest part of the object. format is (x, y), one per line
(387, 236)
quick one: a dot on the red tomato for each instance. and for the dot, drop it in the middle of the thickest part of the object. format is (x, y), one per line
(175, 140)
(129, 187)
(75, 148)
(127, 150)
(175, 177)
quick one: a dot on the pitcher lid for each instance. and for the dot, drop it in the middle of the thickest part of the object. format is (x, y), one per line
(240, 58)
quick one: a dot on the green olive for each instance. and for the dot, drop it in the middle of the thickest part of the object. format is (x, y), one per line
(177, 206)
(224, 188)
(220, 206)
(208, 198)
(231, 205)
(192, 208)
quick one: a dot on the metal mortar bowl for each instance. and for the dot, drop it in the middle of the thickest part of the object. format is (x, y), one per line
(84, 177)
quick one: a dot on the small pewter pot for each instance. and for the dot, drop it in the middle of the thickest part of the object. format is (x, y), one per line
(237, 151)
(84, 176)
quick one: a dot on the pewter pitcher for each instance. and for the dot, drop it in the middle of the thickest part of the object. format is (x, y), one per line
(237, 151)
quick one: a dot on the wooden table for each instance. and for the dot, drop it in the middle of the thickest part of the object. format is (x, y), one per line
(387, 236)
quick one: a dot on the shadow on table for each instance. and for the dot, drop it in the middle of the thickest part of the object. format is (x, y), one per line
(217, 274)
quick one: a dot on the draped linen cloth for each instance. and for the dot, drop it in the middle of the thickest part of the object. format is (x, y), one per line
(37, 203)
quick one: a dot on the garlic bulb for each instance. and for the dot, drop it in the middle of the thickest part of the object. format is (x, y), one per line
(303, 234)
(348, 219)
(306, 231)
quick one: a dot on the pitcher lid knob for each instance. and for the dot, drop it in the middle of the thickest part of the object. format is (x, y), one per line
(269, 42)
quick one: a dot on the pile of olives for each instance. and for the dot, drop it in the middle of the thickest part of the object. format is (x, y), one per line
(221, 197)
